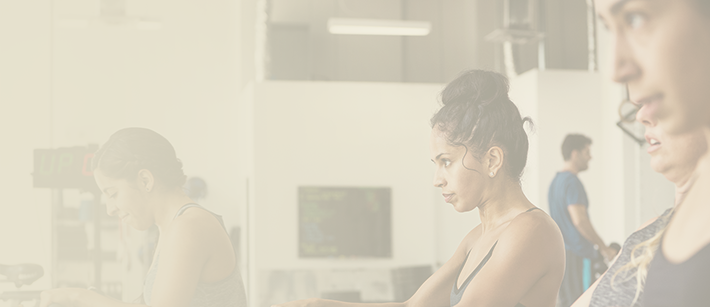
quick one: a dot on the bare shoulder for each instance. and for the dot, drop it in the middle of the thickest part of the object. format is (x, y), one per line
(535, 219)
(194, 225)
(534, 228)
(471, 238)
(533, 241)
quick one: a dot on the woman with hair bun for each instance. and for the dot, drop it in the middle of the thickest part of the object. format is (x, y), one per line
(194, 263)
(479, 147)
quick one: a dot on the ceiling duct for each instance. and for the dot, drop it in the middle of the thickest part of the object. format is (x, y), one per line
(519, 28)
(519, 23)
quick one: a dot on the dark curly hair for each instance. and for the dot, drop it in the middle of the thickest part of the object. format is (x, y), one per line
(478, 114)
(129, 150)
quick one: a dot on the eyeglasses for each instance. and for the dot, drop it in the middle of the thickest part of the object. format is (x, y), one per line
(627, 119)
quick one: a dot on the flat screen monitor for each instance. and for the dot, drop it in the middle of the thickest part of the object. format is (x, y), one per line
(344, 222)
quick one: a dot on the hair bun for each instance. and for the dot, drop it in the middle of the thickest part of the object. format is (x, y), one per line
(476, 87)
(477, 113)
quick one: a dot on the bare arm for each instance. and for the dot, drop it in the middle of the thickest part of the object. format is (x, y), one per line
(184, 254)
(581, 221)
(585, 299)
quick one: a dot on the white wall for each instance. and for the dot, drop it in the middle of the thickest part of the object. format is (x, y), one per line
(341, 134)
(24, 125)
(563, 102)
(559, 102)
(179, 80)
(245, 174)
(524, 92)
(71, 86)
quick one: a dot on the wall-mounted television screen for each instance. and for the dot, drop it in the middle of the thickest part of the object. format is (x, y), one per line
(344, 222)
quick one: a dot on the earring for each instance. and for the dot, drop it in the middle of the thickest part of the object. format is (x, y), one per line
(492, 174)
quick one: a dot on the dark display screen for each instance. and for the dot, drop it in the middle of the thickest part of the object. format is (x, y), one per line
(344, 222)
(63, 168)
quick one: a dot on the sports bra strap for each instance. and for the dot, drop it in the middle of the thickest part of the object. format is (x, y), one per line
(192, 205)
(185, 207)
(531, 209)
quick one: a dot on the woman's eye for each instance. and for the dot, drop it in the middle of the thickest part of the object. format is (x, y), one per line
(635, 20)
(113, 195)
(447, 162)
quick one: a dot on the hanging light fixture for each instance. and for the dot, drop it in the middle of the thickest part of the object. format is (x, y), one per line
(353, 26)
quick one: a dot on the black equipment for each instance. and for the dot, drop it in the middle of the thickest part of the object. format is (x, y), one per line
(20, 275)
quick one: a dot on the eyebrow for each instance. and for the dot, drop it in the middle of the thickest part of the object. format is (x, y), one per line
(614, 10)
(439, 156)
(618, 6)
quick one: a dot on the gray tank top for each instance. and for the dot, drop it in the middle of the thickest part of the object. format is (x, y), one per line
(623, 291)
(228, 292)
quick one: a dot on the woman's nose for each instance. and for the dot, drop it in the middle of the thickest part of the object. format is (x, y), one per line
(625, 67)
(439, 180)
(111, 209)
(645, 116)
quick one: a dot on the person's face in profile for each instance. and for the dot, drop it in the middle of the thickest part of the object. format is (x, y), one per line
(582, 158)
(125, 200)
(674, 156)
(660, 51)
(458, 173)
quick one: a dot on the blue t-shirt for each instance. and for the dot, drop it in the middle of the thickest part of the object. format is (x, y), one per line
(565, 190)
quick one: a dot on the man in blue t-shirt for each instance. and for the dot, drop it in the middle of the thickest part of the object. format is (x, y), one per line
(568, 207)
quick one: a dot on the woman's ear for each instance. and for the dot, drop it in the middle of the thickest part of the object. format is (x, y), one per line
(494, 160)
(146, 181)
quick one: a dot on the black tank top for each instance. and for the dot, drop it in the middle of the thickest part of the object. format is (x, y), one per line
(685, 284)
(456, 292)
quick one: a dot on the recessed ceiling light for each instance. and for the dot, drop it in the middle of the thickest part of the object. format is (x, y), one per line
(378, 27)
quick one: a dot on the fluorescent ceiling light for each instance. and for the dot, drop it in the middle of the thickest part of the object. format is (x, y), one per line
(378, 27)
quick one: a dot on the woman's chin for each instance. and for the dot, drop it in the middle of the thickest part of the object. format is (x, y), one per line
(463, 208)
(658, 166)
